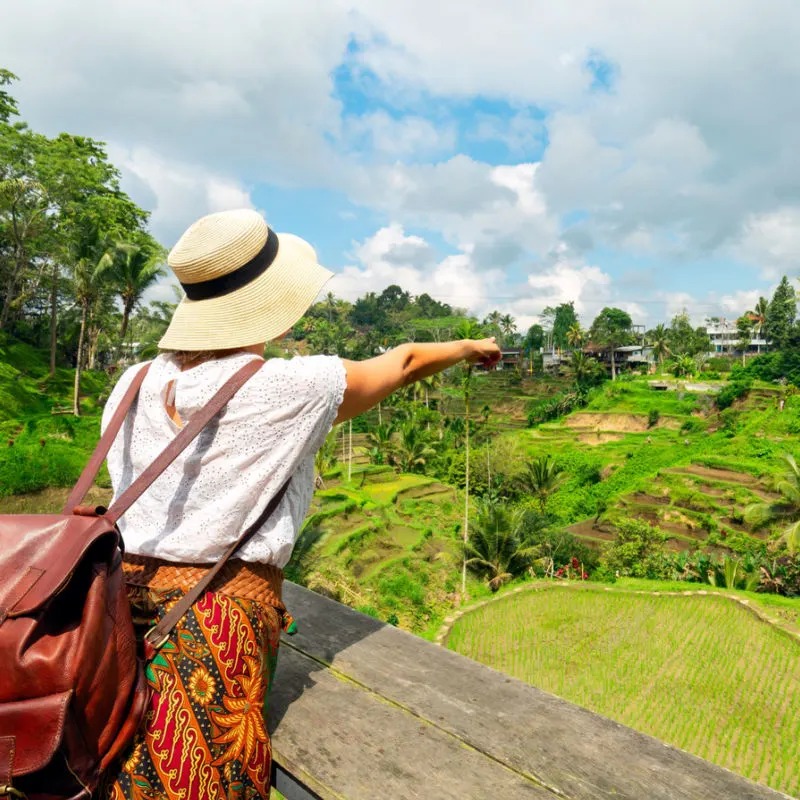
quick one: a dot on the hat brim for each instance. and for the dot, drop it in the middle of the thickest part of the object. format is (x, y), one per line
(258, 312)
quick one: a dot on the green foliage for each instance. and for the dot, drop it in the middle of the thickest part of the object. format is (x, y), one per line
(653, 417)
(637, 551)
(557, 406)
(781, 314)
(733, 391)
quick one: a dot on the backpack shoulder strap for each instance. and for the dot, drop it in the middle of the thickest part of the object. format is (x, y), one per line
(104, 445)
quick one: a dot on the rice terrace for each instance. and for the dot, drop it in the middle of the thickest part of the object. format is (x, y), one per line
(698, 672)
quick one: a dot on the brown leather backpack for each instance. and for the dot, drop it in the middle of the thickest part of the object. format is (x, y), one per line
(72, 689)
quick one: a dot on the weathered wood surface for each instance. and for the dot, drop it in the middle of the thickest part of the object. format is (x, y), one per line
(363, 710)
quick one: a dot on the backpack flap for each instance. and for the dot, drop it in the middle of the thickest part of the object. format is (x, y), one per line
(33, 730)
(40, 552)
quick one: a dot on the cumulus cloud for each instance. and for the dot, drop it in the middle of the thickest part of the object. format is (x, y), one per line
(666, 128)
(176, 193)
(771, 241)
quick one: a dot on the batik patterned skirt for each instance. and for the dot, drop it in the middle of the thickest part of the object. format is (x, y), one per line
(205, 733)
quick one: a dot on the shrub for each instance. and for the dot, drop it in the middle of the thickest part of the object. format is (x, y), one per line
(691, 426)
(733, 391)
(638, 551)
(652, 417)
(718, 364)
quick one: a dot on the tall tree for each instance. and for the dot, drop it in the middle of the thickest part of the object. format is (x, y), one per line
(508, 327)
(91, 255)
(759, 316)
(781, 313)
(135, 267)
(612, 329)
(659, 340)
(744, 330)
(468, 329)
(8, 105)
(563, 320)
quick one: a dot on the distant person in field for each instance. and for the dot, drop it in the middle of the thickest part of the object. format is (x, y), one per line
(205, 733)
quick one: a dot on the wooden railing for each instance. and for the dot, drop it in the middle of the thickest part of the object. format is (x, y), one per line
(363, 711)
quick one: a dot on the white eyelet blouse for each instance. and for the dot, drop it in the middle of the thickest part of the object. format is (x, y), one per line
(270, 430)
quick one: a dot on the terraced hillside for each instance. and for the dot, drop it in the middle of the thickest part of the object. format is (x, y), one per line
(384, 543)
(669, 458)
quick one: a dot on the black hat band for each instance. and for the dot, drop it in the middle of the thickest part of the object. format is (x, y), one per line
(247, 273)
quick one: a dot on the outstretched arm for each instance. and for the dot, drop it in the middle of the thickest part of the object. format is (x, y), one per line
(370, 381)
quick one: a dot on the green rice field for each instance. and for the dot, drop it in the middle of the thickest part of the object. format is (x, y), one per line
(698, 672)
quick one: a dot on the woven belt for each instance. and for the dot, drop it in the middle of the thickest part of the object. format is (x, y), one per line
(262, 583)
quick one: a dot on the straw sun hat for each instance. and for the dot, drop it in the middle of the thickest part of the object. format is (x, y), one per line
(244, 284)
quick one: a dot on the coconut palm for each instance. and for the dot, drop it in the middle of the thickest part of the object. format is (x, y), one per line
(659, 340)
(135, 267)
(785, 511)
(583, 367)
(412, 449)
(495, 547)
(508, 327)
(759, 315)
(431, 384)
(466, 329)
(575, 335)
(380, 443)
(541, 478)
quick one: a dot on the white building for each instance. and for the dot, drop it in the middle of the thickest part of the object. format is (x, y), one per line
(725, 337)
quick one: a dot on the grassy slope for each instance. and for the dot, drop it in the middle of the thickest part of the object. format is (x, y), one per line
(672, 667)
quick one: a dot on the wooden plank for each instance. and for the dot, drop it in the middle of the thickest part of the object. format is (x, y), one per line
(574, 752)
(343, 741)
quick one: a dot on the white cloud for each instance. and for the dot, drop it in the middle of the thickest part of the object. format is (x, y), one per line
(176, 193)
(406, 136)
(392, 257)
(771, 241)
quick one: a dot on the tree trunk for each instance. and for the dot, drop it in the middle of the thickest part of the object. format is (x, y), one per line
(350, 455)
(379, 414)
(466, 501)
(76, 403)
(53, 319)
(613, 365)
(12, 285)
(126, 315)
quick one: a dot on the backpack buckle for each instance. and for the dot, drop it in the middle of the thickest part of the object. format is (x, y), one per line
(10, 791)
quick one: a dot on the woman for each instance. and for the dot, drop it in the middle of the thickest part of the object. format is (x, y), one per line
(205, 733)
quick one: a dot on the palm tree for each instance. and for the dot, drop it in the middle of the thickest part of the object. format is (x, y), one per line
(659, 339)
(508, 326)
(495, 548)
(759, 315)
(541, 478)
(412, 448)
(136, 266)
(683, 367)
(325, 459)
(380, 443)
(575, 335)
(785, 511)
(431, 384)
(583, 367)
(466, 329)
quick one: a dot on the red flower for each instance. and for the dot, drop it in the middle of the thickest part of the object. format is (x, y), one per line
(575, 563)
(585, 576)
(560, 572)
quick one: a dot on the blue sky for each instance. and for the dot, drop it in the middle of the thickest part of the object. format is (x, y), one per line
(512, 155)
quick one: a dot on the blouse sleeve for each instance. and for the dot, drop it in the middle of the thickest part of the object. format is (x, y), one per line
(327, 382)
